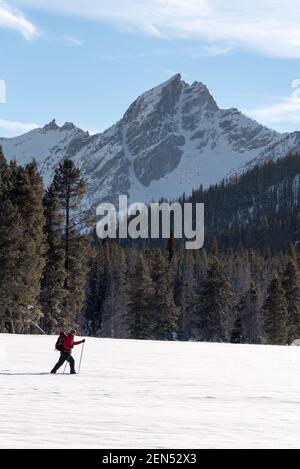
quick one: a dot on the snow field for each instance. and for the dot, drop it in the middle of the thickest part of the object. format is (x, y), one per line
(136, 394)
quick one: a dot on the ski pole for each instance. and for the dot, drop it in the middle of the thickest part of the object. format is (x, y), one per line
(38, 327)
(81, 357)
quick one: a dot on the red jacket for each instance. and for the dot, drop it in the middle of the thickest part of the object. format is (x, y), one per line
(69, 343)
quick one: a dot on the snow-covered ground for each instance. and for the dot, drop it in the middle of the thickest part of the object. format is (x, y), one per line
(134, 394)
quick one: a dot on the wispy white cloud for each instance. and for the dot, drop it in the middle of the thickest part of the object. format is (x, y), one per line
(215, 50)
(282, 111)
(191, 52)
(12, 18)
(270, 27)
(12, 128)
(210, 50)
(71, 41)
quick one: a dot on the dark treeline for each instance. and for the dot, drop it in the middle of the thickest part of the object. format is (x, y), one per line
(244, 287)
(239, 297)
(259, 209)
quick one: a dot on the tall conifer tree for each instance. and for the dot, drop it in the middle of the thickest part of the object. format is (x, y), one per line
(165, 312)
(216, 301)
(22, 244)
(54, 277)
(115, 306)
(291, 285)
(97, 290)
(69, 187)
(276, 314)
(141, 298)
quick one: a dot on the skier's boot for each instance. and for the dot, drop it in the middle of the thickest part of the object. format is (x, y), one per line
(73, 372)
(53, 372)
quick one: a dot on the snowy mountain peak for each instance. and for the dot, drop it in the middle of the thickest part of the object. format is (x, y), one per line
(175, 80)
(172, 139)
(176, 77)
(68, 126)
(51, 126)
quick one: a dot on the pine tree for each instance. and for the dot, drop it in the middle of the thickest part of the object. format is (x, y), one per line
(187, 297)
(237, 332)
(23, 244)
(69, 187)
(115, 306)
(165, 312)
(54, 276)
(76, 280)
(291, 285)
(216, 301)
(11, 235)
(97, 290)
(30, 201)
(275, 312)
(249, 313)
(140, 304)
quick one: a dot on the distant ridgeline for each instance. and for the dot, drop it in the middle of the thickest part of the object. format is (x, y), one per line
(259, 209)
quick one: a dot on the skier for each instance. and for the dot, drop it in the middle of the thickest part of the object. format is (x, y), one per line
(65, 354)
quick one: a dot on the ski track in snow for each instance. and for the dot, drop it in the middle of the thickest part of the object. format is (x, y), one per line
(135, 394)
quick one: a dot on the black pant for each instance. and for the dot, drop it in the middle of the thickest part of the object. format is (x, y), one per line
(65, 357)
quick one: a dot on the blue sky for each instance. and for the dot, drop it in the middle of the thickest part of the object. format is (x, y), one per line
(86, 62)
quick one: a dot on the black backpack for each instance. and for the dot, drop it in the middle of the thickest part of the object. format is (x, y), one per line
(60, 342)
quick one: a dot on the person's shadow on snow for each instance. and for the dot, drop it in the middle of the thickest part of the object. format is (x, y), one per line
(23, 374)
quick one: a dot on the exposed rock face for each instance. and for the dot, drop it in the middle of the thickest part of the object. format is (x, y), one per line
(172, 139)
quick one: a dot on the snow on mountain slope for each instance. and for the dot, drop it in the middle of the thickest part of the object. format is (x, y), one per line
(171, 139)
(48, 146)
(136, 394)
